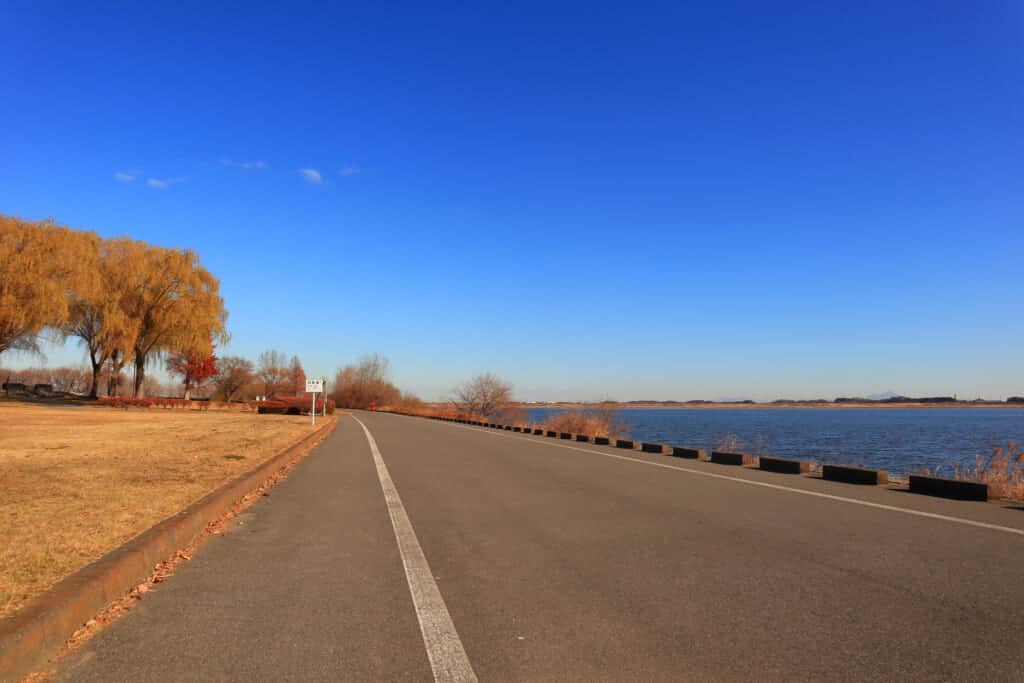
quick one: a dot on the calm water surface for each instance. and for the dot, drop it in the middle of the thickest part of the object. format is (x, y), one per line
(899, 440)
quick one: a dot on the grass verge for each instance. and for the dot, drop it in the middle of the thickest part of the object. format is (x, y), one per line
(80, 481)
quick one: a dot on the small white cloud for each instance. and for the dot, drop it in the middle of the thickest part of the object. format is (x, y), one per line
(244, 164)
(311, 175)
(350, 171)
(163, 183)
(126, 176)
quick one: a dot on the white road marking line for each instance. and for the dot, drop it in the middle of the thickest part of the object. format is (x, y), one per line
(779, 487)
(448, 658)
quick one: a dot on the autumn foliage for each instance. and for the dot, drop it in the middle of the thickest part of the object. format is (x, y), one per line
(193, 368)
(127, 301)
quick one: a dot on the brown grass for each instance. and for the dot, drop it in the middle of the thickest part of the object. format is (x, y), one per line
(1003, 471)
(80, 481)
(600, 420)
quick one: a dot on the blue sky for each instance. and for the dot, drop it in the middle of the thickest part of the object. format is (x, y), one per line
(636, 200)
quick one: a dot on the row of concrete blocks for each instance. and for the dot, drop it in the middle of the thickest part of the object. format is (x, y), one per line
(924, 484)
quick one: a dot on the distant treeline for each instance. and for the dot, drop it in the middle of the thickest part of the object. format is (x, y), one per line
(813, 401)
(899, 399)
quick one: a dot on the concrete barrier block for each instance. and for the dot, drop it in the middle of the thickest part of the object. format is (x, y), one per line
(784, 465)
(565, 435)
(850, 474)
(652, 447)
(538, 432)
(551, 434)
(508, 428)
(602, 440)
(583, 437)
(948, 488)
(517, 429)
(724, 458)
(691, 453)
(624, 443)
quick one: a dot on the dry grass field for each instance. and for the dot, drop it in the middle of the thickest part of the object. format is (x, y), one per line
(76, 482)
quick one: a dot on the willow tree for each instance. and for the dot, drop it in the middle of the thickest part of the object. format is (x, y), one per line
(44, 268)
(176, 304)
(100, 320)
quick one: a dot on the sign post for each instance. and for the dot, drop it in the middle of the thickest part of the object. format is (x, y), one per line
(314, 386)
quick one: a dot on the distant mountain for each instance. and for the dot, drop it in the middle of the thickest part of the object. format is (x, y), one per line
(882, 396)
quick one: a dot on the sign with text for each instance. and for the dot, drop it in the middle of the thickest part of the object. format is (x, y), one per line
(314, 386)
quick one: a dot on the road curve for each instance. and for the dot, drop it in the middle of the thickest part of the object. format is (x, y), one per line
(544, 560)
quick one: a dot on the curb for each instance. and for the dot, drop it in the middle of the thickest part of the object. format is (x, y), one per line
(943, 487)
(37, 632)
(726, 458)
(783, 465)
(850, 474)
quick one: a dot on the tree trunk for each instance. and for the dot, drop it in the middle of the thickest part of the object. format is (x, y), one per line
(95, 386)
(114, 382)
(140, 374)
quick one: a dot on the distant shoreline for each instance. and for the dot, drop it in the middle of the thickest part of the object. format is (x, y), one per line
(772, 406)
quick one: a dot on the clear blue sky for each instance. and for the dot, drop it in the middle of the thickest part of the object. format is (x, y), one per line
(627, 200)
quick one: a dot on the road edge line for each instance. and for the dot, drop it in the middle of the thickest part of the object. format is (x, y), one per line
(448, 658)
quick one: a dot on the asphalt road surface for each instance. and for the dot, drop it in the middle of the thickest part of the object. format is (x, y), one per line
(417, 550)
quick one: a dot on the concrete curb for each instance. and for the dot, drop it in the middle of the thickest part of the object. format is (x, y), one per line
(724, 458)
(854, 475)
(784, 465)
(37, 632)
(943, 487)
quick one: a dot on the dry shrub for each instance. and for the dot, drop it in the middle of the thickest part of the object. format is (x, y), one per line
(1003, 471)
(600, 420)
(517, 416)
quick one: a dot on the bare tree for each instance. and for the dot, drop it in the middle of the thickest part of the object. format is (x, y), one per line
(368, 382)
(273, 370)
(296, 378)
(484, 395)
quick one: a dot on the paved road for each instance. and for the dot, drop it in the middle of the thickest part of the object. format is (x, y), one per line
(555, 561)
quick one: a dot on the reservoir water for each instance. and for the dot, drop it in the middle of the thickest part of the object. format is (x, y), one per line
(901, 440)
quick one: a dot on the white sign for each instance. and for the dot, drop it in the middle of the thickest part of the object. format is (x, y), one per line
(314, 386)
